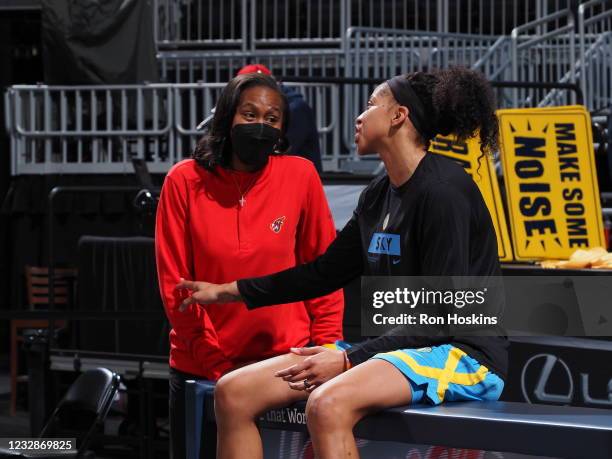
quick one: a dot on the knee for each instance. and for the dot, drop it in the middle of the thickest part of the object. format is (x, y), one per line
(327, 409)
(231, 394)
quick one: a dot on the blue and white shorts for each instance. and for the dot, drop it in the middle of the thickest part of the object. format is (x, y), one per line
(442, 373)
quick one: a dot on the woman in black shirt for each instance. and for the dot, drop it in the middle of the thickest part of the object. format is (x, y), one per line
(425, 217)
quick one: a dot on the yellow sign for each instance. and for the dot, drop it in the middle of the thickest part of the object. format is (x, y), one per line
(482, 171)
(551, 181)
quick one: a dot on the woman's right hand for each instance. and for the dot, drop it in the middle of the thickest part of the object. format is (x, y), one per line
(207, 293)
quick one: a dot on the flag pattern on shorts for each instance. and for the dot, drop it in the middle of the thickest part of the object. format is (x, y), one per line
(441, 373)
(445, 373)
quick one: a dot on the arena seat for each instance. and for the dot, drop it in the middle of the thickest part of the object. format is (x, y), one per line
(559, 431)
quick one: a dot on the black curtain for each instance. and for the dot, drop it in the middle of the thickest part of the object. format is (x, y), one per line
(118, 274)
(98, 42)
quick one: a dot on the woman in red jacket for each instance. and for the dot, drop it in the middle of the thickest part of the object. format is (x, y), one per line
(239, 209)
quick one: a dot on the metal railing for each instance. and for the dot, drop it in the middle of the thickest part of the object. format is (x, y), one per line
(99, 129)
(495, 64)
(595, 68)
(65, 129)
(287, 22)
(255, 24)
(191, 67)
(52, 132)
(494, 18)
(291, 22)
(193, 103)
(543, 50)
(383, 53)
(201, 23)
(423, 15)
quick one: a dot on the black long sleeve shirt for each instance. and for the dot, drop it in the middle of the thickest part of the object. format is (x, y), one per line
(440, 226)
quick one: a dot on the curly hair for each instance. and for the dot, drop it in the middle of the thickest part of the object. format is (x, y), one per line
(461, 102)
(215, 148)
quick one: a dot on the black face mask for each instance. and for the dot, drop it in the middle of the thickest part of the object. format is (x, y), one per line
(254, 142)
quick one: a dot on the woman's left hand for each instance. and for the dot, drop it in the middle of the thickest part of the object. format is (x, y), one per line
(321, 365)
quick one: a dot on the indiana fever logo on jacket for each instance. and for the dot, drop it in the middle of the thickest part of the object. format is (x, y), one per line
(277, 224)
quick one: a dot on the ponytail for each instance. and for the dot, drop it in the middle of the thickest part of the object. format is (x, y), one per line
(461, 102)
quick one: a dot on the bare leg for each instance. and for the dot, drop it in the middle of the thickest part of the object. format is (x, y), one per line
(243, 394)
(334, 408)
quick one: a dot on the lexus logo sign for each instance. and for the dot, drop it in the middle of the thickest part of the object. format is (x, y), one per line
(547, 372)
(542, 366)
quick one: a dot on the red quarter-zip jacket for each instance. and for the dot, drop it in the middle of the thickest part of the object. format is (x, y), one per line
(203, 233)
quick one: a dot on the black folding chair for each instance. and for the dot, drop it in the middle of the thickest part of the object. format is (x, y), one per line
(83, 409)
